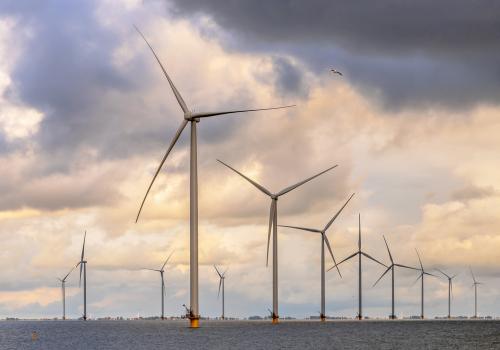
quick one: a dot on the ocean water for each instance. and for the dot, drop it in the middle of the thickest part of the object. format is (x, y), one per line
(124, 335)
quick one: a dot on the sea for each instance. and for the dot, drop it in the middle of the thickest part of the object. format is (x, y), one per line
(156, 334)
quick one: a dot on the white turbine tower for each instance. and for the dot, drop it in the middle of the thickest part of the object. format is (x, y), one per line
(359, 253)
(222, 278)
(83, 268)
(273, 223)
(161, 271)
(191, 118)
(63, 290)
(450, 289)
(475, 284)
(324, 239)
(421, 276)
(391, 268)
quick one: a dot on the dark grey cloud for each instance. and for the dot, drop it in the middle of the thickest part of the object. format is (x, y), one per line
(289, 80)
(67, 71)
(413, 53)
(471, 192)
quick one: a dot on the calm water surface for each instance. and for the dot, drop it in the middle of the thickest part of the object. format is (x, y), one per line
(126, 335)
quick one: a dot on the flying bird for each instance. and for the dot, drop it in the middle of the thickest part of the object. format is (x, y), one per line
(334, 71)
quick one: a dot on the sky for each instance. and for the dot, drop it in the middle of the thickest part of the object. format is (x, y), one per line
(86, 115)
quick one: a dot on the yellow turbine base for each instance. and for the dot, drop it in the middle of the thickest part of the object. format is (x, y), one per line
(275, 320)
(195, 323)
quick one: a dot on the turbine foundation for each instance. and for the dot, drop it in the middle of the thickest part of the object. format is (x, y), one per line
(194, 322)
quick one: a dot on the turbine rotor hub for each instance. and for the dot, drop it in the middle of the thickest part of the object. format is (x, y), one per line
(191, 117)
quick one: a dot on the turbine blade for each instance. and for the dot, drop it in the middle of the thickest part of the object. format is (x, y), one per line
(359, 232)
(290, 188)
(442, 273)
(421, 266)
(430, 274)
(407, 267)
(301, 228)
(224, 273)
(166, 261)
(145, 268)
(262, 188)
(387, 270)
(80, 281)
(388, 250)
(349, 257)
(331, 253)
(220, 284)
(83, 247)
(271, 222)
(419, 276)
(163, 285)
(372, 258)
(64, 279)
(217, 270)
(337, 214)
(174, 140)
(178, 96)
(212, 114)
(472, 273)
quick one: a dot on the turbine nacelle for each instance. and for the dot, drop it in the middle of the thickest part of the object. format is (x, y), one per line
(191, 116)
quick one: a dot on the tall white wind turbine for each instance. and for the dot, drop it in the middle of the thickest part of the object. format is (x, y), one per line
(161, 271)
(391, 268)
(359, 253)
(63, 291)
(222, 278)
(475, 284)
(83, 268)
(450, 289)
(273, 224)
(192, 118)
(324, 240)
(421, 277)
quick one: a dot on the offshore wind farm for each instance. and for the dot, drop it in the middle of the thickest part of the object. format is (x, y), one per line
(340, 162)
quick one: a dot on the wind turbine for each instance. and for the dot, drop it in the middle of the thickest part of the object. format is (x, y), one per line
(161, 271)
(191, 118)
(450, 289)
(222, 277)
(391, 268)
(63, 290)
(83, 267)
(421, 276)
(273, 223)
(475, 284)
(324, 239)
(359, 253)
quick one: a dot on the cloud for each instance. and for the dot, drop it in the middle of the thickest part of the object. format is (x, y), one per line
(42, 296)
(473, 192)
(101, 115)
(407, 54)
